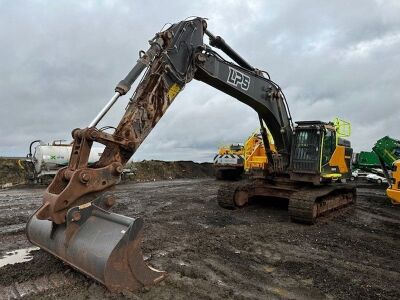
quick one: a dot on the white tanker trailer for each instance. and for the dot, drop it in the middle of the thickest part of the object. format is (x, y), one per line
(47, 159)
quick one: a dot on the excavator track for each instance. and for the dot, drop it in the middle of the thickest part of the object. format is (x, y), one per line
(226, 194)
(228, 174)
(309, 204)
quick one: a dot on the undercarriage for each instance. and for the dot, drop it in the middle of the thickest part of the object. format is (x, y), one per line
(228, 172)
(306, 203)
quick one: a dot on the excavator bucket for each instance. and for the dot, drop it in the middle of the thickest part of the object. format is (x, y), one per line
(103, 245)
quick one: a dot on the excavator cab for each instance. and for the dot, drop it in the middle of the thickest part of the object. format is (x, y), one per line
(320, 153)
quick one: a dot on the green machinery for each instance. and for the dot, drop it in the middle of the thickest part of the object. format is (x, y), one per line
(388, 151)
(366, 160)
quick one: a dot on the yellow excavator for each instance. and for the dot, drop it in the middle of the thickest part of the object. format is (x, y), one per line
(75, 222)
(234, 160)
(229, 162)
(255, 158)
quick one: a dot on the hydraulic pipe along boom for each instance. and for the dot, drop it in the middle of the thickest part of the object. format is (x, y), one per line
(125, 84)
(219, 42)
(105, 109)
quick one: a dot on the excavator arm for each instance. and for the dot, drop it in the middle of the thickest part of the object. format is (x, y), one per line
(74, 217)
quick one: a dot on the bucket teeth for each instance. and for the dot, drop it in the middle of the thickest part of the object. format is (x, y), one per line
(103, 245)
(127, 258)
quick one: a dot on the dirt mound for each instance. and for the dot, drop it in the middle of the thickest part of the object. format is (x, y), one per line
(12, 171)
(150, 170)
(15, 171)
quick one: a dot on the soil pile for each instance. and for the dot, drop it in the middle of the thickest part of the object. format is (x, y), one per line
(150, 170)
(12, 171)
(17, 171)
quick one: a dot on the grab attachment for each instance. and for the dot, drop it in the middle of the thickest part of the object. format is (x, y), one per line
(103, 245)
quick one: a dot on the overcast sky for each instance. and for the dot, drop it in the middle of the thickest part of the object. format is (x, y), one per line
(60, 62)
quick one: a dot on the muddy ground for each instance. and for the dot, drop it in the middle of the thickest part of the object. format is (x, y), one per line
(209, 252)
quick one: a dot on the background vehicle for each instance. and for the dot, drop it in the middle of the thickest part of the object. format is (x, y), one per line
(229, 162)
(358, 174)
(354, 175)
(379, 179)
(46, 159)
(366, 161)
(74, 222)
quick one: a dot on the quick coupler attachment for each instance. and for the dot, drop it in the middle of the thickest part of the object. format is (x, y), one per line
(103, 245)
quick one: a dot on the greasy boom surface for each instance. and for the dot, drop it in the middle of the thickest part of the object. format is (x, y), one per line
(209, 252)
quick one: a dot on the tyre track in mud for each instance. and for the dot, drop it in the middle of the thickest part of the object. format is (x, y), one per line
(209, 253)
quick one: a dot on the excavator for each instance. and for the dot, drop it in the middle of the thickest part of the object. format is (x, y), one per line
(234, 160)
(229, 162)
(75, 222)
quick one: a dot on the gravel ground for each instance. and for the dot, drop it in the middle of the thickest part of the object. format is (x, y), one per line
(211, 253)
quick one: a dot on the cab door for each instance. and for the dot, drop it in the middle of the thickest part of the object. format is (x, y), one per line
(328, 147)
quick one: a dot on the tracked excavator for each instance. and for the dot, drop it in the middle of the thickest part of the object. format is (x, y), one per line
(234, 160)
(229, 162)
(75, 222)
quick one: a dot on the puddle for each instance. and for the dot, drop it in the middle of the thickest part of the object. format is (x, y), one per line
(17, 256)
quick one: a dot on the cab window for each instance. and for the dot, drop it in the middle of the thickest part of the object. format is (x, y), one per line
(328, 146)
